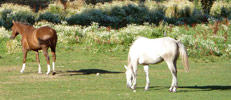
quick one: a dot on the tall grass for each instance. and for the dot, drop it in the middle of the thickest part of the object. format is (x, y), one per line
(201, 40)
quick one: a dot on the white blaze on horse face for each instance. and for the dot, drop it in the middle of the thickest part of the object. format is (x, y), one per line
(48, 69)
(23, 67)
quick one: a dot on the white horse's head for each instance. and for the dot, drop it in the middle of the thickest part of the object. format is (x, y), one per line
(129, 76)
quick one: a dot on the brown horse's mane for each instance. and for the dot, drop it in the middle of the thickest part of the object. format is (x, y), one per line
(25, 27)
(24, 24)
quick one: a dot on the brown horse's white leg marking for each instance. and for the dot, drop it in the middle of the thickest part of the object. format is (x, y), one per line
(39, 69)
(47, 59)
(38, 62)
(53, 66)
(54, 58)
(24, 60)
(23, 67)
(48, 69)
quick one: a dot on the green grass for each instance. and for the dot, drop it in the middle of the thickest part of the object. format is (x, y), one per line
(205, 81)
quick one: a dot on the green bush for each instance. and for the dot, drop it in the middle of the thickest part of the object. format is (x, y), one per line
(155, 16)
(178, 8)
(6, 21)
(57, 9)
(120, 14)
(115, 17)
(10, 12)
(50, 17)
(79, 19)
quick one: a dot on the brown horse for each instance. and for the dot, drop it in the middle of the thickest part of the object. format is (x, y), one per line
(36, 39)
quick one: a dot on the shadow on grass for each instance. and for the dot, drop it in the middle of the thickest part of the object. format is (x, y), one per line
(193, 88)
(88, 72)
(205, 88)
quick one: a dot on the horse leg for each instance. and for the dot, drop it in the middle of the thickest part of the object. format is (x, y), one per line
(38, 62)
(172, 68)
(147, 77)
(54, 59)
(24, 61)
(45, 52)
(134, 67)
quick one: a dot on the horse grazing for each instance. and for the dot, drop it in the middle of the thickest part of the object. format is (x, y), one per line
(152, 51)
(36, 39)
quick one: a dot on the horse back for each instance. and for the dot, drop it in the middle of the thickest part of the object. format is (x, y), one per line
(153, 50)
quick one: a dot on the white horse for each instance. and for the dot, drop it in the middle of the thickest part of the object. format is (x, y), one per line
(152, 51)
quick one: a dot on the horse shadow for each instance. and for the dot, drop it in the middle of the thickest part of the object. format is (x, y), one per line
(88, 72)
(194, 88)
(205, 88)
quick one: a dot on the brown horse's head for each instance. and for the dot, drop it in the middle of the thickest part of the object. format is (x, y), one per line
(14, 30)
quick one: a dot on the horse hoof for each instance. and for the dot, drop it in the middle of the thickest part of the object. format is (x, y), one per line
(146, 89)
(53, 73)
(39, 72)
(21, 71)
(172, 90)
(47, 73)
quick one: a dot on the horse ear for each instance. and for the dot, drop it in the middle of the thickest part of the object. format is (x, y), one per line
(125, 67)
(13, 22)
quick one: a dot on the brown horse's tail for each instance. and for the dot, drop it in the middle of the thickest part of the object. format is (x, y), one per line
(41, 41)
(184, 55)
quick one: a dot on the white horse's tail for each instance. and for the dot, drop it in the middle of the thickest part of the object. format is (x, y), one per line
(184, 56)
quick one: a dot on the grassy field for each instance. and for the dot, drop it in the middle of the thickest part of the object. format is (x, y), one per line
(76, 78)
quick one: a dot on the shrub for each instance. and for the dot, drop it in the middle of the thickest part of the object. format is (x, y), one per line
(9, 12)
(6, 21)
(79, 19)
(50, 17)
(13, 46)
(221, 9)
(115, 16)
(4, 33)
(56, 9)
(216, 7)
(178, 8)
(155, 16)
(120, 14)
